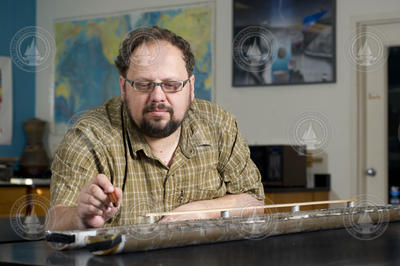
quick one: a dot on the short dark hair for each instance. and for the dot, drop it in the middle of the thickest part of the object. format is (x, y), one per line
(149, 34)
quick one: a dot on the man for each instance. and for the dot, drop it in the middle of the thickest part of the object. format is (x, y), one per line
(157, 147)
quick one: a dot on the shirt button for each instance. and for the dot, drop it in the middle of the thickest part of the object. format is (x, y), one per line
(181, 196)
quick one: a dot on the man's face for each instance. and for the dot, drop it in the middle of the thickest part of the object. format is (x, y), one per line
(157, 114)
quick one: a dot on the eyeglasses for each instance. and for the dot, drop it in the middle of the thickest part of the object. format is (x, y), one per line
(169, 86)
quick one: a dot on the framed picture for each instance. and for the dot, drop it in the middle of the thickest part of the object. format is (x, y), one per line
(283, 42)
(5, 101)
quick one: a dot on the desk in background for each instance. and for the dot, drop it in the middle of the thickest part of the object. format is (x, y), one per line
(292, 194)
(15, 189)
(11, 191)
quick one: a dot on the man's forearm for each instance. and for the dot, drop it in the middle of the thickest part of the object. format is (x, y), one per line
(63, 218)
(228, 201)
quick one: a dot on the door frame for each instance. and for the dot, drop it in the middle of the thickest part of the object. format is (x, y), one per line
(358, 184)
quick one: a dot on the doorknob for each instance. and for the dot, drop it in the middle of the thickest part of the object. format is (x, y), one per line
(371, 172)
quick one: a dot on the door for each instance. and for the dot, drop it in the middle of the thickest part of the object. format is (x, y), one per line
(373, 46)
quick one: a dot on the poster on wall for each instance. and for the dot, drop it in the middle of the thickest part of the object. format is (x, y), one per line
(85, 75)
(283, 42)
(6, 100)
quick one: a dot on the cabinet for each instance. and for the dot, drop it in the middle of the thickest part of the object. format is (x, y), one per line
(296, 196)
(24, 200)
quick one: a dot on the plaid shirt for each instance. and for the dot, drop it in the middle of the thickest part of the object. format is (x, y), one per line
(211, 160)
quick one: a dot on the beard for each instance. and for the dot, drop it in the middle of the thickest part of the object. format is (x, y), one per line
(153, 129)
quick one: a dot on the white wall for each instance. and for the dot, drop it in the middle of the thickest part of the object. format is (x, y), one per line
(264, 113)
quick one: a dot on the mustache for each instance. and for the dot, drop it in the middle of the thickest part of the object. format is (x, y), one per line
(158, 106)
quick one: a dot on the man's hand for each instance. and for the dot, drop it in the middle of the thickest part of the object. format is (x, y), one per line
(93, 210)
(228, 201)
(94, 205)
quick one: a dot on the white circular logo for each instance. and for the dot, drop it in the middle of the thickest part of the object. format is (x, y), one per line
(32, 49)
(86, 137)
(72, 121)
(74, 118)
(144, 230)
(254, 48)
(81, 138)
(24, 217)
(367, 219)
(193, 127)
(310, 130)
(255, 226)
(366, 50)
(145, 55)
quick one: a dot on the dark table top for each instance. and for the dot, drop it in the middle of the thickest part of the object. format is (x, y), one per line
(7, 232)
(329, 247)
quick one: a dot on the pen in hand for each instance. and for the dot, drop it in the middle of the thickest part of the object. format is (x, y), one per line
(113, 198)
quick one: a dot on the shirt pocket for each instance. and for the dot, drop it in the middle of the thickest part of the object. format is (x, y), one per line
(208, 185)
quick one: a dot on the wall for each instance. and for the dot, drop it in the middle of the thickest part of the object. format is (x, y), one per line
(15, 15)
(264, 113)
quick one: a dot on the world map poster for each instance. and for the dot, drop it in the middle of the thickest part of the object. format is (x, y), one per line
(85, 74)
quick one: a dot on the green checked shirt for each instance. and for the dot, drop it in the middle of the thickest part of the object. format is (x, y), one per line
(212, 160)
